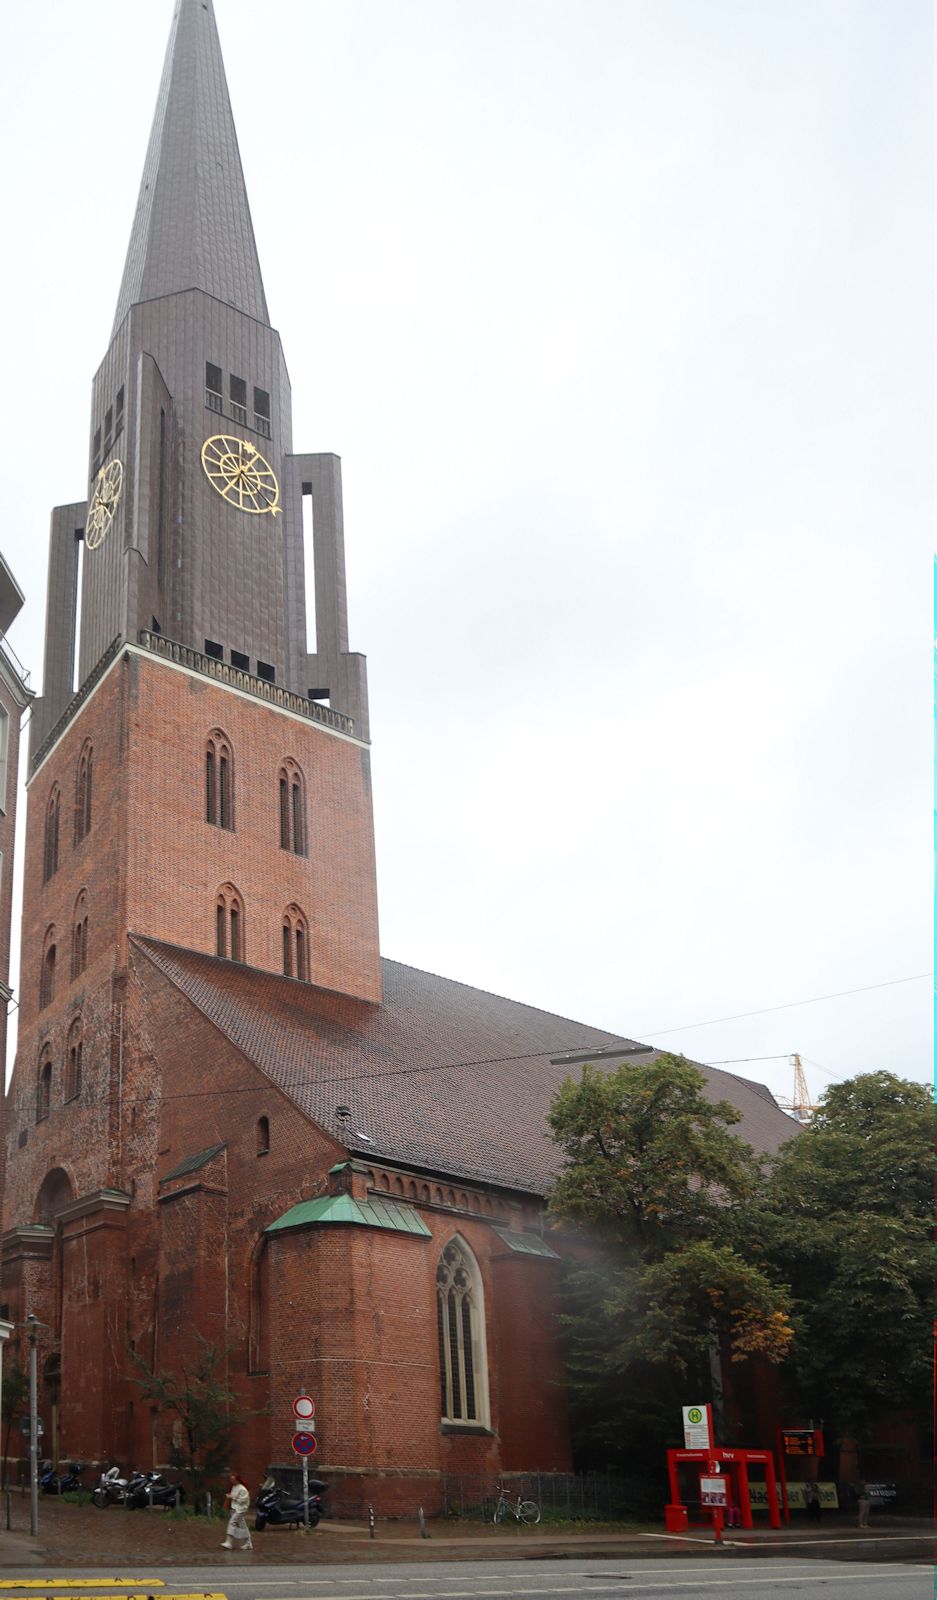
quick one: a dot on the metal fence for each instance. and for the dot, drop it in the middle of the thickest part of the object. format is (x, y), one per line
(563, 1496)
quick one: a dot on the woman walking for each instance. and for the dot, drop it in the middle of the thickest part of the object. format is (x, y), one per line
(238, 1498)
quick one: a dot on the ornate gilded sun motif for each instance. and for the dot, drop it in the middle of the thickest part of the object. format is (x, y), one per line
(107, 487)
(241, 475)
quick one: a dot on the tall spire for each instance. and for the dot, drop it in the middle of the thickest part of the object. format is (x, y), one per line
(192, 228)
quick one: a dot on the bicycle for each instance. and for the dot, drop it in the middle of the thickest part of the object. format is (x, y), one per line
(523, 1510)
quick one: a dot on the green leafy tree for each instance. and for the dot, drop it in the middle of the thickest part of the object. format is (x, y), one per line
(848, 1222)
(14, 1403)
(206, 1407)
(655, 1179)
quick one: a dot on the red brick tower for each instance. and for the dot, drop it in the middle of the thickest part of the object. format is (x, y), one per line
(208, 785)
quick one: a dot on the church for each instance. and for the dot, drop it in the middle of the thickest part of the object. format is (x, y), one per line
(229, 1115)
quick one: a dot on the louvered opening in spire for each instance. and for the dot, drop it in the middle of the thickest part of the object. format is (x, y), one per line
(192, 228)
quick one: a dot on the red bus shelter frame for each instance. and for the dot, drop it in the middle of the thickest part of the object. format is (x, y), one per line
(735, 1465)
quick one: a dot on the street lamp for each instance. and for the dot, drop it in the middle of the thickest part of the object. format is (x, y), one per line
(32, 1333)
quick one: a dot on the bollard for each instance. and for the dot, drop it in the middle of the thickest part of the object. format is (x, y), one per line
(370, 1522)
(717, 1524)
(149, 1497)
(208, 1505)
(178, 1501)
(423, 1532)
(9, 1494)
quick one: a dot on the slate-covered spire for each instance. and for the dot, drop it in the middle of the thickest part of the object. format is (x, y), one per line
(192, 228)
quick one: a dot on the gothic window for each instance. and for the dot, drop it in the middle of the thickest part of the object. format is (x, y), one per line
(219, 780)
(80, 935)
(83, 793)
(460, 1326)
(292, 809)
(47, 974)
(73, 1061)
(50, 844)
(44, 1084)
(295, 944)
(263, 1135)
(229, 923)
(257, 1353)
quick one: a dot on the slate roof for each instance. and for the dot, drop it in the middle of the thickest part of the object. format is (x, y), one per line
(442, 1076)
(192, 228)
(193, 1163)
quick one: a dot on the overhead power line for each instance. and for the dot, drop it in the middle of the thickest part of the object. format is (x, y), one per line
(790, 1005)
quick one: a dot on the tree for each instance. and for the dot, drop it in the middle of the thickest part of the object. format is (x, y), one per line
(14, 1403)
(848, 1222)
(660, 1187)
(205, 1406)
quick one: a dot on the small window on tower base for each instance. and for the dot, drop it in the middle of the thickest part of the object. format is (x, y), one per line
(240, 660)
(212, 648)
(265, 670)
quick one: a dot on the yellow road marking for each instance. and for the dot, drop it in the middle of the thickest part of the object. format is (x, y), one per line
(81, 1583)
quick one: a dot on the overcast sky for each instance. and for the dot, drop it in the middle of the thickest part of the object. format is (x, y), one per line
(618, 313)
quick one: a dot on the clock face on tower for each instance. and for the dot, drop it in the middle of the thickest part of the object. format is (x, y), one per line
(240, 475)
(107, 487)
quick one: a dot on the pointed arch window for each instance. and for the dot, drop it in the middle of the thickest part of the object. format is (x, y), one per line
(295, 936)
(47, 972)
(80, 935)
(219, 780)
(229, 923)
(460, 1326)
(83, 792)
(44, 1084)
(50, 843)
(292, 808)
(73, 1050)
(263, 1136)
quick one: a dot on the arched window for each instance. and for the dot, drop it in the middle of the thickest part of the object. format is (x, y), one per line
(80, 935)
(292, 809)
(83, 793)
(295, 944)
(47, 973)
(460, 1323)
(44, 1083)
(73, 1061)
(50, 843)
(229, 923)
(263, 1135)
(219, 780)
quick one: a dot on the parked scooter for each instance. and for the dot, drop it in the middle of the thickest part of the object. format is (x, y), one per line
(151, 1488)
(52, 1482)
(111, 1489)
(282, 1508)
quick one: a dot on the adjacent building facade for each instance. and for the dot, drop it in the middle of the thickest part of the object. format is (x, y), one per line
(229, 1117)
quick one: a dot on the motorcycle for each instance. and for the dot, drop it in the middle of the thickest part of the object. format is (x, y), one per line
(282, 1508)
(150, 1488)
(110, 1490)
(52, 1482)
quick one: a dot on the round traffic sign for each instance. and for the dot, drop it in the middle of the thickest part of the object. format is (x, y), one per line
(304, 1406)
(304, 1444)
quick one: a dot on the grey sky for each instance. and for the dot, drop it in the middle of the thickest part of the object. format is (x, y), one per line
(619, 317)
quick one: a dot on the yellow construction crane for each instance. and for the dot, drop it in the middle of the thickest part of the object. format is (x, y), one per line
(800, 1107)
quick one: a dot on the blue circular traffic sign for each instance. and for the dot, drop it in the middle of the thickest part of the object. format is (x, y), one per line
(304, 1444)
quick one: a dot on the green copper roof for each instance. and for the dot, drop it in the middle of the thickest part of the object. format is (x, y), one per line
(341, 1208)
(526, 1244)
(192, 1163)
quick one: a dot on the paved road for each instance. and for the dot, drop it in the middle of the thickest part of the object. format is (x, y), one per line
(712, 1578)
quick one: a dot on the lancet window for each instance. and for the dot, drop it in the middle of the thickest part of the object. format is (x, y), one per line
(44, 1083)
(50, 843)
(229, 923)
(219, 780)
(460, 1320)
(295, 944)
(47, 972)
(73, 1051)
(292, 809)
(83, 793)
(80, 935)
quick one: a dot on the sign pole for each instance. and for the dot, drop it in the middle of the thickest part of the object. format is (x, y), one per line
(306, 1492)
(32, 1331)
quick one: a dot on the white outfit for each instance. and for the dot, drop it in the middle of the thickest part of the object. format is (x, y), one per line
(239, 1500)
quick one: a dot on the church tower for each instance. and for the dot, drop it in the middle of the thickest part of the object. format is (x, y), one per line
(197, 775)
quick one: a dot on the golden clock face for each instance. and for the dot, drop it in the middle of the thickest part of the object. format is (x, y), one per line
(241, 475)
(107, 487)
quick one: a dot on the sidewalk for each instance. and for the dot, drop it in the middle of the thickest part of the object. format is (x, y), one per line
(134, 1541)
